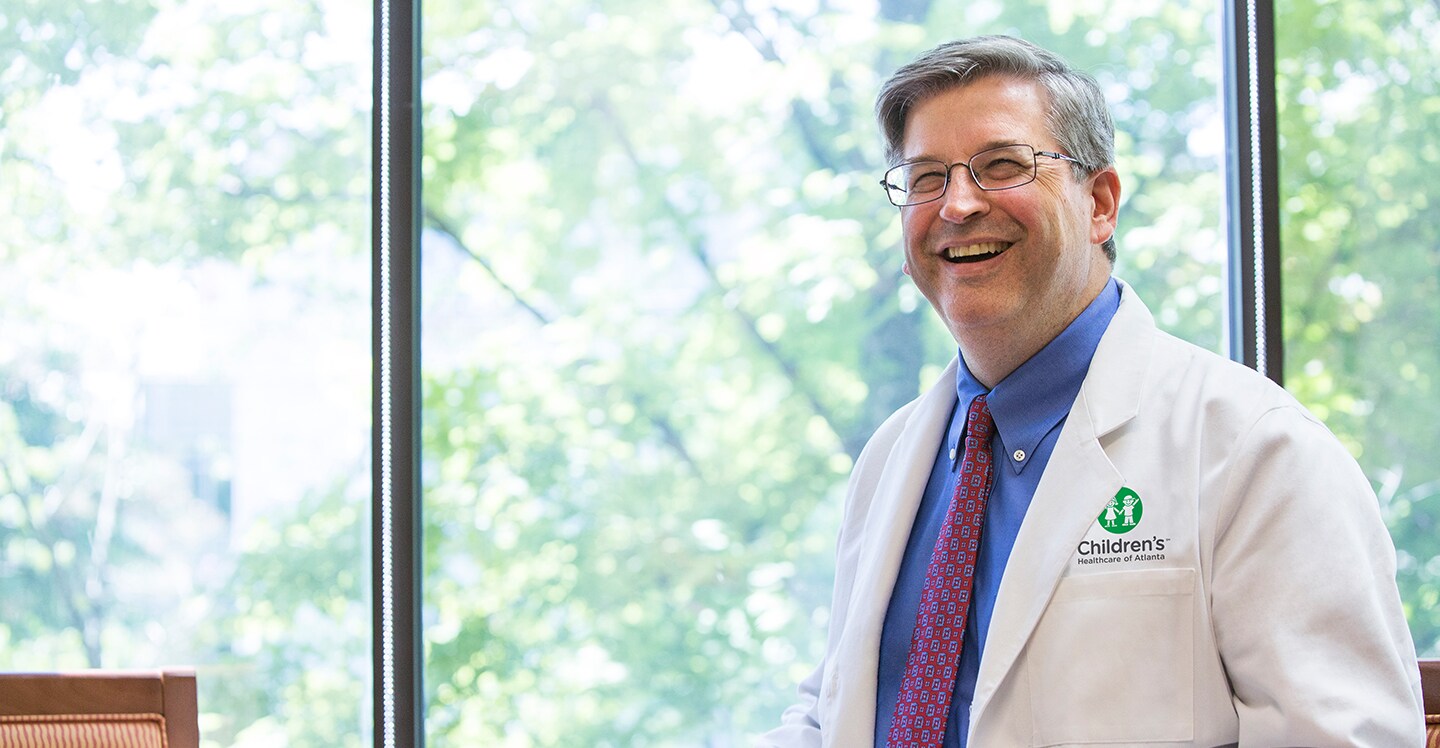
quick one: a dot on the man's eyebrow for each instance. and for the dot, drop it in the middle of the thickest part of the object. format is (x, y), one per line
(985, 146)
(996, 143)
(919, 157)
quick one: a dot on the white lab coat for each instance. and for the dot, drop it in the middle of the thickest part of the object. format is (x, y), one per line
(1253, 600)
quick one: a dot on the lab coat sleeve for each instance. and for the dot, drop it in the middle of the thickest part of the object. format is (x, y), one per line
(1306, 613)
(799, 725)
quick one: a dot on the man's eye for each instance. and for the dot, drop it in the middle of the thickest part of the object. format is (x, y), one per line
(1003, 167)
(927, 181)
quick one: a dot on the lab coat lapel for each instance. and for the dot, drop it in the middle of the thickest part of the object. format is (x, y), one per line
(1078, 480)
(887, 530)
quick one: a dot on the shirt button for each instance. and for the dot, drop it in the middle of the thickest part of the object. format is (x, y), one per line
(1019, 455)
(952, 453)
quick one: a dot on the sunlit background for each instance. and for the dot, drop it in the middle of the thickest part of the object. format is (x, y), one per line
(662, 311)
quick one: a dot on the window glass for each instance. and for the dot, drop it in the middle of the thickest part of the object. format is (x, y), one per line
(184, 419)
(1359, 108)
(663, 311)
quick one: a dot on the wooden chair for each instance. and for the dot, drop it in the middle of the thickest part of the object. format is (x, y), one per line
(100, 709)
(1430, 687)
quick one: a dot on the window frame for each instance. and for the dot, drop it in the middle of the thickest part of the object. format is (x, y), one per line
(1253, 312)
(397, 651)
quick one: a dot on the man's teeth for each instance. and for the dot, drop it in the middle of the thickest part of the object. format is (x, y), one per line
(976, 249)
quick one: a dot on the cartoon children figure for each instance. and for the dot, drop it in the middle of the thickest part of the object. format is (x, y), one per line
(1111, 513)
(1130, 500)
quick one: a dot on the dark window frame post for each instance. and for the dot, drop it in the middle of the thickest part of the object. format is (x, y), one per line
(1252, 189)
(395, 293)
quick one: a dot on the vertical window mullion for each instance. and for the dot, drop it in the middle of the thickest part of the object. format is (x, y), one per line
(395, 520)
(1252, 187)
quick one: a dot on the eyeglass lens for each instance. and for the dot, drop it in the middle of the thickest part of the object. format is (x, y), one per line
(996, 169)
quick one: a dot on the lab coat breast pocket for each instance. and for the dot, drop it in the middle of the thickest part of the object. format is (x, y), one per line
(1112, 660)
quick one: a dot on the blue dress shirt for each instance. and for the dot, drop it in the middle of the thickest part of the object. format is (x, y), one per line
(1029, 407)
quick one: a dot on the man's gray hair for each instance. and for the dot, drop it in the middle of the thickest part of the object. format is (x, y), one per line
(1078, 119)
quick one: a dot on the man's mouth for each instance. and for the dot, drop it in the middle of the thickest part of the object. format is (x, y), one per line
(975, 252)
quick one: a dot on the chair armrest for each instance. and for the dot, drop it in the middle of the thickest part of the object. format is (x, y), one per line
(170, 693)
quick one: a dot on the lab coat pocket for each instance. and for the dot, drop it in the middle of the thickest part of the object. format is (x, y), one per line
(1112, 660)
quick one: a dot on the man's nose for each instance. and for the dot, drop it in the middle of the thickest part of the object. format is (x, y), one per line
(963, 198)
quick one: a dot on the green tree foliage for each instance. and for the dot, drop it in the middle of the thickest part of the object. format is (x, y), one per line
(145, 145)
(1359, 94)
(287, 652)
(81, 516)
(662, 310)
(680, 263)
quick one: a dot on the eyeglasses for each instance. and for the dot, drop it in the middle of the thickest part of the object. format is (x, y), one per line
(1003, 168)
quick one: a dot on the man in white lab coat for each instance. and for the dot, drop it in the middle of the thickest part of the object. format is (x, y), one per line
(1174, 551)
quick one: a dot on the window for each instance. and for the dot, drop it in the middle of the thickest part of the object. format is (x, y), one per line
(184, 475)
(663, 311)
(1359, 107)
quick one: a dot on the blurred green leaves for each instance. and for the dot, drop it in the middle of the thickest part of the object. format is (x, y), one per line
(1359, 106)
(663, 311)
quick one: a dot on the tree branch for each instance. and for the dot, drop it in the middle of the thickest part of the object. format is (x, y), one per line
(440, 224)
(697, 249)
(669, 434)
(743, 23)
(80, 619)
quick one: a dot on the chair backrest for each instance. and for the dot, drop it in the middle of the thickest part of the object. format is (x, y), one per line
(100, 709)
(1430, 688)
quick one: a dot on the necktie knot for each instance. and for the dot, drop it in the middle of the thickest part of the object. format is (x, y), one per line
(979, 424)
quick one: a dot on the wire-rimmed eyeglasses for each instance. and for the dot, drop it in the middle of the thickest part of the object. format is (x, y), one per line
(1003, 168)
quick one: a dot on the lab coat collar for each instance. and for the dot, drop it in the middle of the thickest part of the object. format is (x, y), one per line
(1118, 372)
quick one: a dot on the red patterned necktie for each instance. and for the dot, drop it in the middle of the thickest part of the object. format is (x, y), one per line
(929, 680)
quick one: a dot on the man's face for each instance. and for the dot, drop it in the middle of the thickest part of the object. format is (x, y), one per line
(1028, 262)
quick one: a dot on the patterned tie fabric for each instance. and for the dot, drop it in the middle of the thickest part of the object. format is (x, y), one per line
(934, 658)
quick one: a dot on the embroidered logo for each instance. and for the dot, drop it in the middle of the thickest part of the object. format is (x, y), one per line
(1121, 515)
(1123, 512)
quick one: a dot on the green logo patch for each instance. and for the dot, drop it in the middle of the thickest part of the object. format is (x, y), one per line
(1122, 514)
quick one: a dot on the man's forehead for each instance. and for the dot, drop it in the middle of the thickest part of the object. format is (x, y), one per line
(986, 112)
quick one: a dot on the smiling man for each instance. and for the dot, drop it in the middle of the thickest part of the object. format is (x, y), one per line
(1088, 532)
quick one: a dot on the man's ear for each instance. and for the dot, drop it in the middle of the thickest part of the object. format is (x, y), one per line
(1105, 201)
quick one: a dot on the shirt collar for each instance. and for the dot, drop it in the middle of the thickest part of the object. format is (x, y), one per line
(1037, 396)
